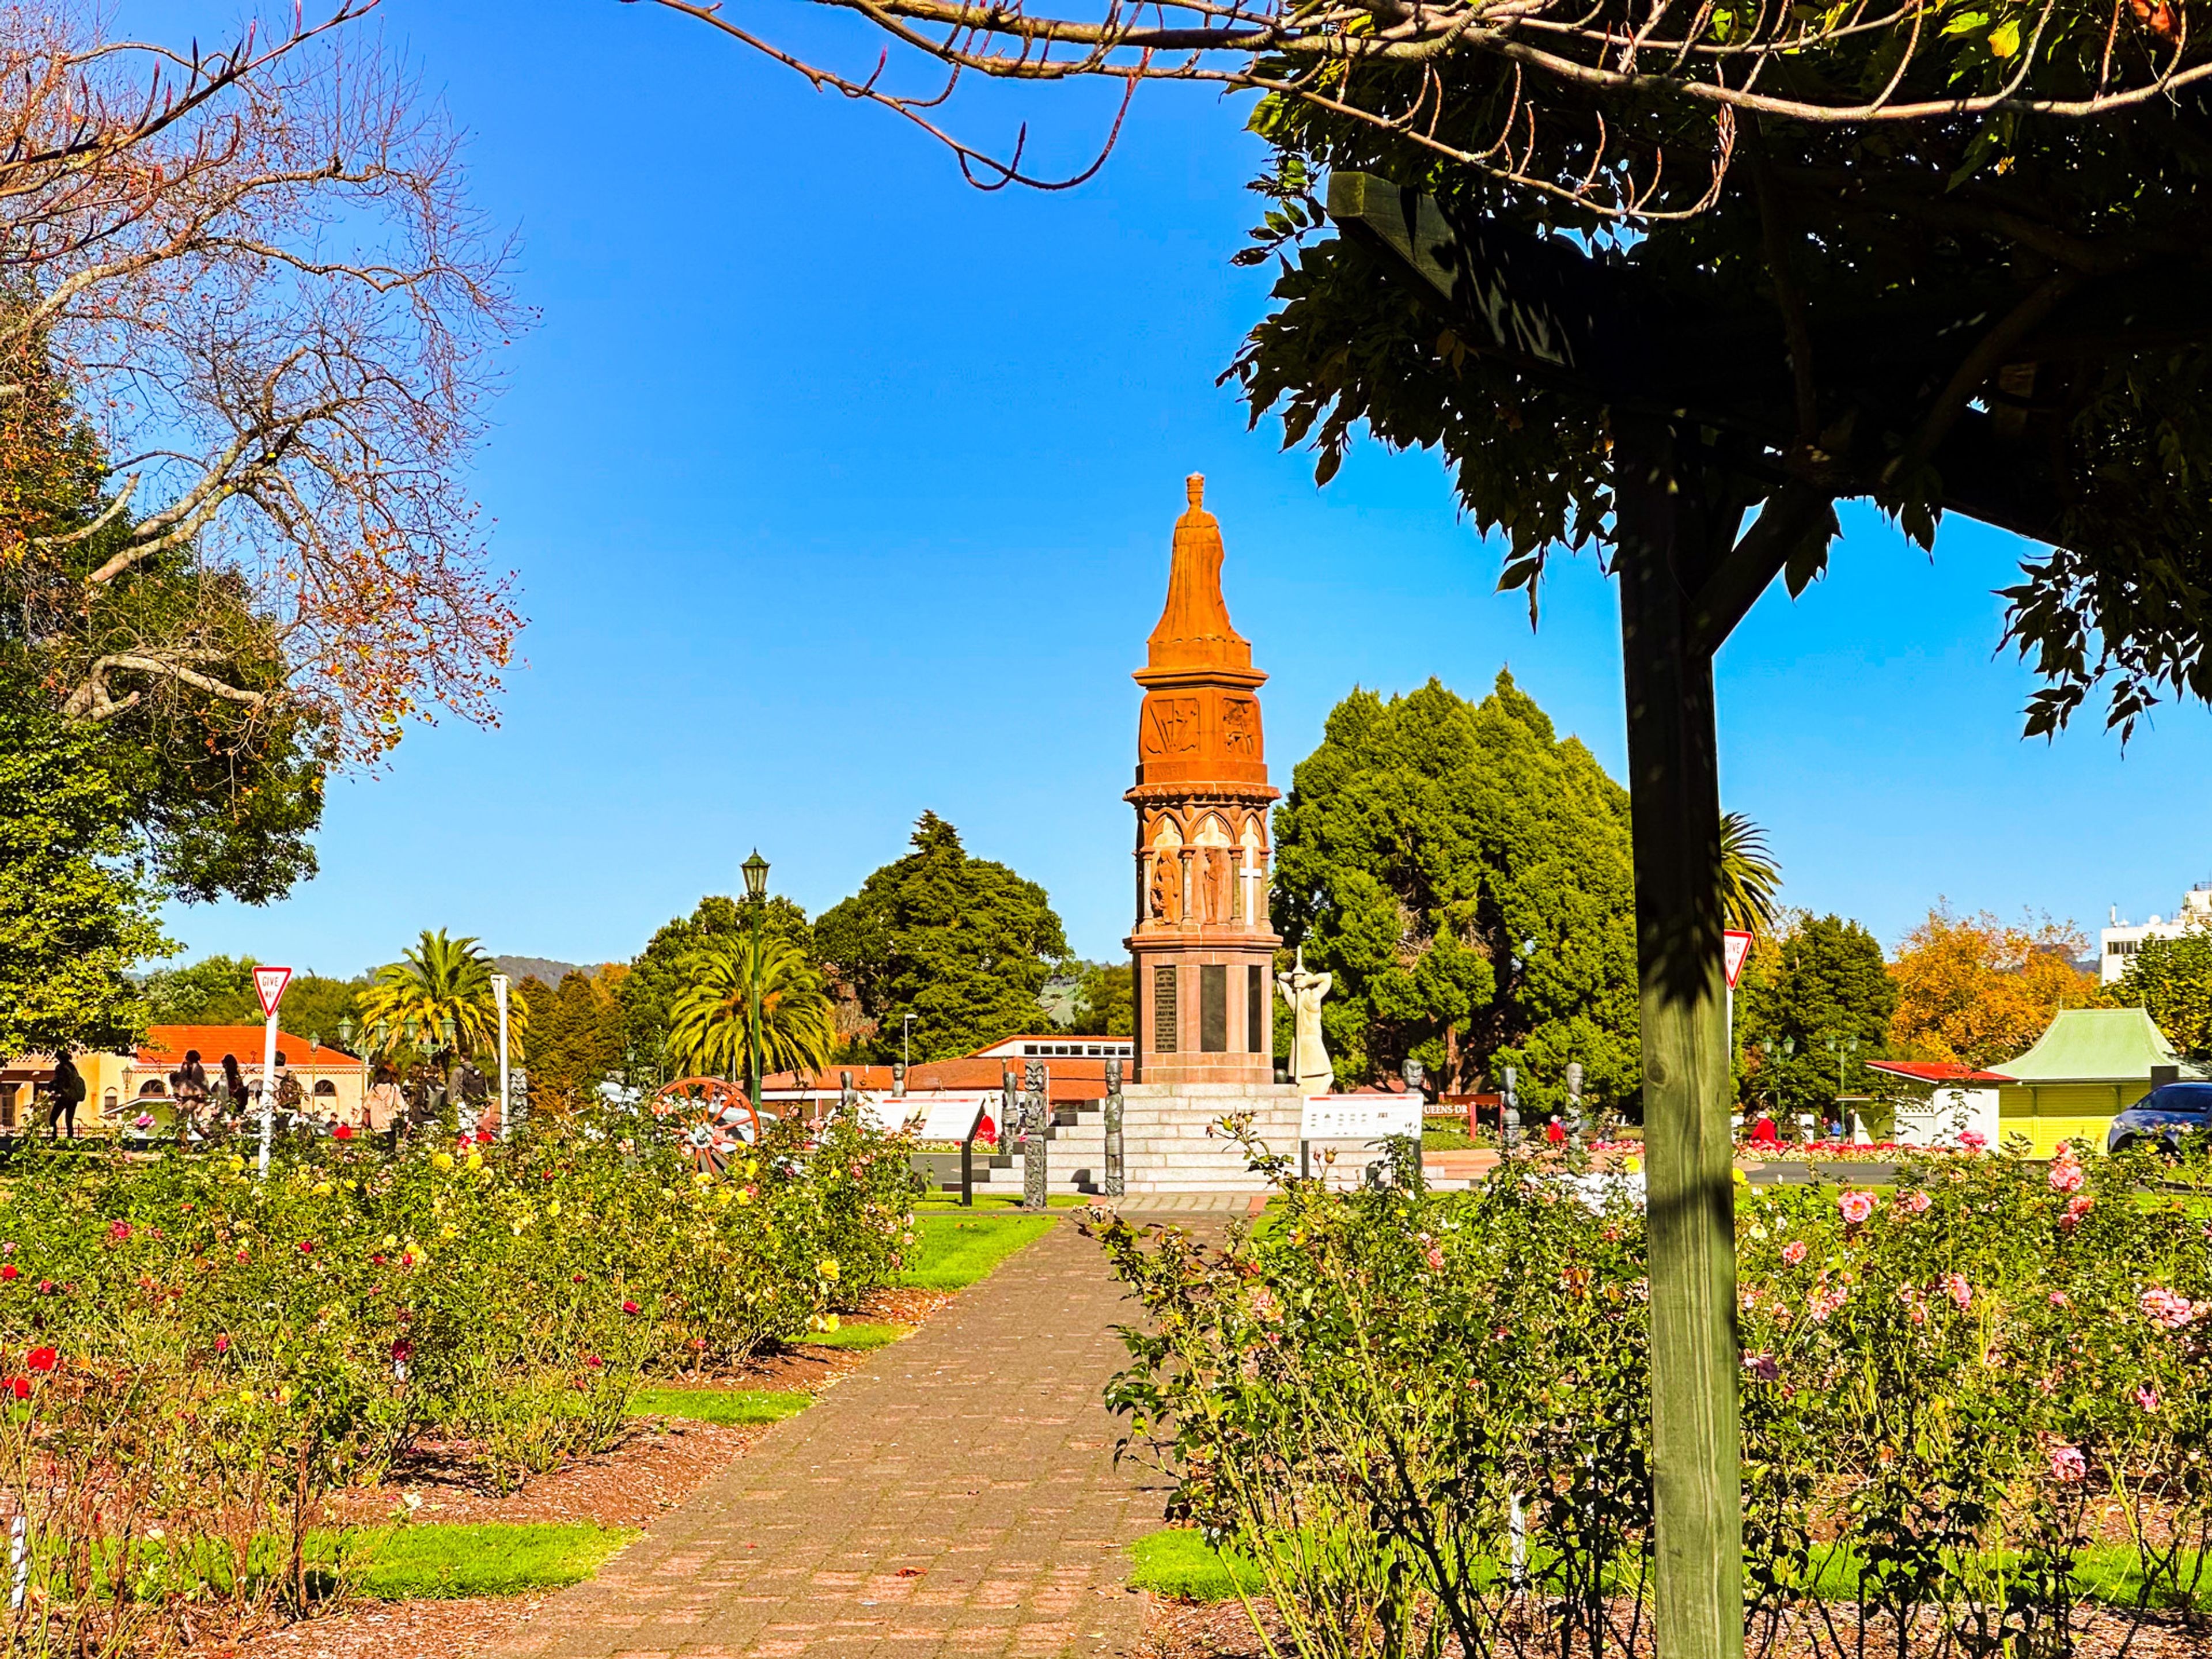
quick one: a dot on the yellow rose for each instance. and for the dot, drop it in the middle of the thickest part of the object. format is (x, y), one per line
(236, 1164)
(475, 1160)
(449, 1230)
(702, 1179)
(554, 1208)
(745, 1195)
(392, 1241)
(827, 1268)
(1631, 1163)
(320, 1189)
(441, 1160)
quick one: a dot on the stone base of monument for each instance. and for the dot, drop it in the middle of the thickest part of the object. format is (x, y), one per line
(1170, 1143)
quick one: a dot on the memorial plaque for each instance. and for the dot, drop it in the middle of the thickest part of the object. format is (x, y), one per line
(1164, 1009)
(1213, 1008)
(1255, 1010)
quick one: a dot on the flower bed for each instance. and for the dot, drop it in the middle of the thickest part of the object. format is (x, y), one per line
(193, 1357)
(1964, 1401)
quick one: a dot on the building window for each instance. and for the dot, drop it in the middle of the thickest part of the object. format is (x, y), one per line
(1029, 1048)
(109, 1103)
(151, 1086)
(325, 1086)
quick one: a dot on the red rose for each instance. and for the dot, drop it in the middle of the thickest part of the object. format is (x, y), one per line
(41, 1360)
(307, 1247)
(401, 1349)
(11, 1271)
(629, 1307)
(593, 1360)
(21, 1387)
(343, 1132)
(483, 1137)
(222, 1345)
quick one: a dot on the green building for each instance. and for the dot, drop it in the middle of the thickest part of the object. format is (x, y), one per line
(2090, 1065)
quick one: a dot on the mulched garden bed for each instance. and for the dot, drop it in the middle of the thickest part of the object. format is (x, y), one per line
(1220, 1629)
(659, 1462)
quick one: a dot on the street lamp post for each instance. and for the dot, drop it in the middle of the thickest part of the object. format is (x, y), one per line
(755, 869)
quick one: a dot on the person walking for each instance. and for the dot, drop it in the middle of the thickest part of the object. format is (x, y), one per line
(188, 1085)
(68, 1094)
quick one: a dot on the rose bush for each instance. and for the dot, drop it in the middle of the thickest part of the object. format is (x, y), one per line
(1967, 1401)
(196, 1343)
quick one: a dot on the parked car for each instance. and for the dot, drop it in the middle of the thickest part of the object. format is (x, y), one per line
(2166, 1117)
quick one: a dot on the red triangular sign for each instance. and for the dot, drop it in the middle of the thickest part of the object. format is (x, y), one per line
(269, 985)
(1734, 949)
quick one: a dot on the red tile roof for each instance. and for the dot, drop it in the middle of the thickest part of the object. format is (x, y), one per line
(165, 1045)
(1935, 1071)
(1072, 1077)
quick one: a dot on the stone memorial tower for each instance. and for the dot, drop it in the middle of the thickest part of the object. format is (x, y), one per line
(1203, 951)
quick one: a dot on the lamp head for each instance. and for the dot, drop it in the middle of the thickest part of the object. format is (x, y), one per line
(755, 869)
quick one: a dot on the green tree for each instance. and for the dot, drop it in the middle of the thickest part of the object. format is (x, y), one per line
(2171, 980)
(435, 1003)
(658, 976)
(1105, 1003)
(74, 919)
(1464, 873)
(712, 1033)
(219, 990)
(963, 945)
(1820, 980)
(577, 1035)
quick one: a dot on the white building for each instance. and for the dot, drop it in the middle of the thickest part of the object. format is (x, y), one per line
(2117, 945)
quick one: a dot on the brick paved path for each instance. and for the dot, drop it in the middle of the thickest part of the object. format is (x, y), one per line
(976, 1452)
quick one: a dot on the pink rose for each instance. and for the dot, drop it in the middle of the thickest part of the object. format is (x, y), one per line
(1955, 1288)
(1856, 1207)
(2058, 1299)
(2147, 1396)
(2067, 1463)
(1762, 1367)
(2167, 1309)
(1917, 1203)
(1972, 1141)
(2066, 1175)
(1793, 1251)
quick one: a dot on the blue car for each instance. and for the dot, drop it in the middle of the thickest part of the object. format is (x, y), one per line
(2165, 1117)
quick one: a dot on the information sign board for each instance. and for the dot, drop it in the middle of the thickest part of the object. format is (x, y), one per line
(1359, 1117)
(942, 1117)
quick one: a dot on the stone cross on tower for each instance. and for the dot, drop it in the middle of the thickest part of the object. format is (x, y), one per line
(1204, 953)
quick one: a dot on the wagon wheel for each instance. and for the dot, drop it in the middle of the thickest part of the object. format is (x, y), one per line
(710, 1117)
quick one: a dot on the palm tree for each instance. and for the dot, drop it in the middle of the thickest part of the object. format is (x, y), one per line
(1749, 878)
(437, 1002)
(708, 1020)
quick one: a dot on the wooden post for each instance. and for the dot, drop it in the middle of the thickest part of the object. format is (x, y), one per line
(1665, 543)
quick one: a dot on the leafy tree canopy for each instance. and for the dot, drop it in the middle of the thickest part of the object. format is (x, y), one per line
(964, 944)
(1105, 1003)
(1821, 981)
(1975, 990)
(1464, 873)
(73, 917)
(219, 990)
(2171, 980)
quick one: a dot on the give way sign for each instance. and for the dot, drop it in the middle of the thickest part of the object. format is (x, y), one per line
(1734, 948)
(269, 985)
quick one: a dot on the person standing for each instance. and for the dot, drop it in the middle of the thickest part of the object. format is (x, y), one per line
(68, 1094)
(189, 1087)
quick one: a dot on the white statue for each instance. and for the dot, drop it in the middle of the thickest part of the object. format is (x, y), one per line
(1304, 989)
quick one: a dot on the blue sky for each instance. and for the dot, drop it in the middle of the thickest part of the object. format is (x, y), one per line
(839, 490)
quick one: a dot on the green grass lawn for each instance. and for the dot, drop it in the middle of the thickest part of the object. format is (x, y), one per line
(859, 1336)
(737, 1407)
(959, 1248)
(1176, 1562)
(400, 1563)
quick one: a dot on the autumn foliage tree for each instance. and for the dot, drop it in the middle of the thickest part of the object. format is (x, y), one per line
(1974, 990)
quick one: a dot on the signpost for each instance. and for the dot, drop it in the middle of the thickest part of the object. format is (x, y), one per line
(269, 985)
(506, 1077)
